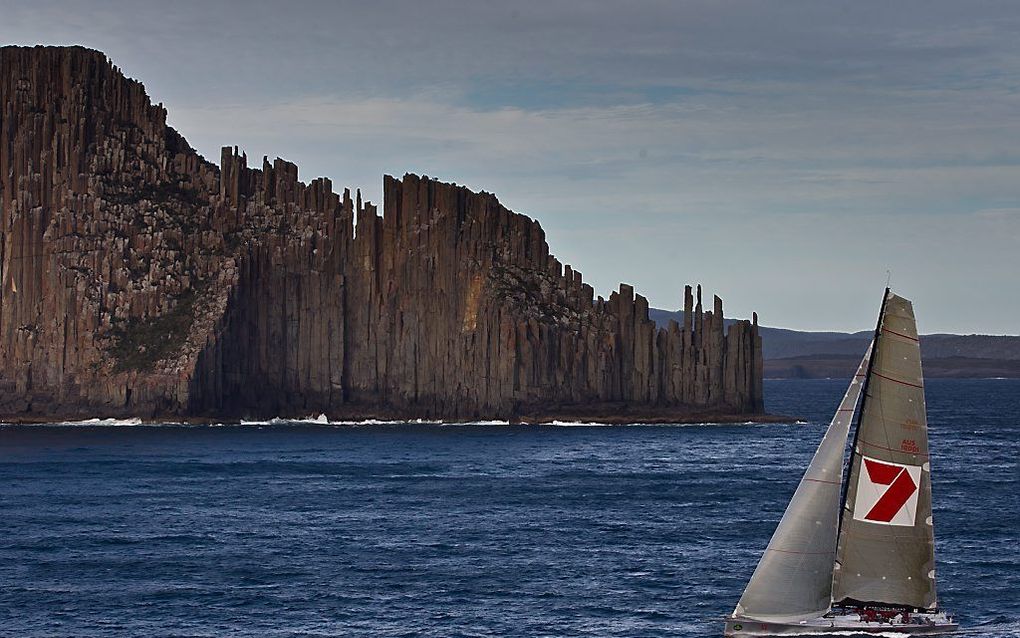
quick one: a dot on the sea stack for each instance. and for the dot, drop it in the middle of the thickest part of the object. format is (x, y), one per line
(139, 279)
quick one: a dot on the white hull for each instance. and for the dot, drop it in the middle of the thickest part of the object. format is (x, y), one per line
(933, 625)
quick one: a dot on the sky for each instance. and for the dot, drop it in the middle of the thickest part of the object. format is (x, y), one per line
(785, 155)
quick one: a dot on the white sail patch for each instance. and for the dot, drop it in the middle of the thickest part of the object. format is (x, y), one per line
(887, 492)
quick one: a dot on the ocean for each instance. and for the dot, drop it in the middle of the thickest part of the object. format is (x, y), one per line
(299, 529)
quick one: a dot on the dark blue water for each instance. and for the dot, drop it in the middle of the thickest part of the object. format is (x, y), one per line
(305, 530)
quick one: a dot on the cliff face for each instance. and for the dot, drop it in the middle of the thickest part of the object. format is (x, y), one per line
(138, 279)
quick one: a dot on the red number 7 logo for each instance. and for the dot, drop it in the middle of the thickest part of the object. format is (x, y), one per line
(887, 492)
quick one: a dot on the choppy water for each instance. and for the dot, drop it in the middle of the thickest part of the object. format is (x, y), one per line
(304, 530)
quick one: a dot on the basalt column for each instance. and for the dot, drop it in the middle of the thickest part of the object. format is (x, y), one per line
(139, 279)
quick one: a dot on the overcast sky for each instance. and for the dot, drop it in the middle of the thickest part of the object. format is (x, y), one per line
(783, 154)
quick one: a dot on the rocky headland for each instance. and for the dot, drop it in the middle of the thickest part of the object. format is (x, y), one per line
(139, 279)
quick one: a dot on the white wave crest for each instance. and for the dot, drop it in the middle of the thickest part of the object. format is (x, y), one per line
(104, 422)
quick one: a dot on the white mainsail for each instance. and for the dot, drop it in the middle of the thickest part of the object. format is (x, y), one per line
(793, 580)
(886, 550)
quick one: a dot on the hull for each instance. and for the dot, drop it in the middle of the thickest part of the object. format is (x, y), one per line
(841, 625)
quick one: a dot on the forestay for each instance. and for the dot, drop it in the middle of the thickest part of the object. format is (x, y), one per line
(886, 550)
(793, 580)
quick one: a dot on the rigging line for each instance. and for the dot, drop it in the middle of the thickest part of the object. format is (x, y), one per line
(790, 551)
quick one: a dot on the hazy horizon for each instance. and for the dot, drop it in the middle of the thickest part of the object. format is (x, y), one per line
(785, 156)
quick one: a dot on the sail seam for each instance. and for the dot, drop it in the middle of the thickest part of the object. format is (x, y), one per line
(900, 334)
(891, 449)
(912, 385)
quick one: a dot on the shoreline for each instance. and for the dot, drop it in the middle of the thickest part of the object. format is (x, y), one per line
(324, 420)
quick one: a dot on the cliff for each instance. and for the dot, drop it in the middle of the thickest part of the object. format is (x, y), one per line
(136, 278)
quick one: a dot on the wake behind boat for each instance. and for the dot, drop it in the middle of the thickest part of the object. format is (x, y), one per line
(857, 555)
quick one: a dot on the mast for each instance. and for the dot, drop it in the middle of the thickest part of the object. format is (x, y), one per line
(885, 546)
(864, 399)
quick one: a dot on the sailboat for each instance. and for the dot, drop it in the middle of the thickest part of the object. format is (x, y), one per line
(857, 556)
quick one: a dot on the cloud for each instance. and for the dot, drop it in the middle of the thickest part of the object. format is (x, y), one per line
(899, 157)
(1000, 214)
(778, 152)
(745, 199)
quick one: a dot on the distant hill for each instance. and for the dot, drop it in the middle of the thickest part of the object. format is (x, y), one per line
(836, 366)
(801, 354)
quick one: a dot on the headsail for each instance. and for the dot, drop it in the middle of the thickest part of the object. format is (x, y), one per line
(886, 549)
(793, 580)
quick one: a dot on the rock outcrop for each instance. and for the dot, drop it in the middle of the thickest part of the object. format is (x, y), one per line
(136, 278)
